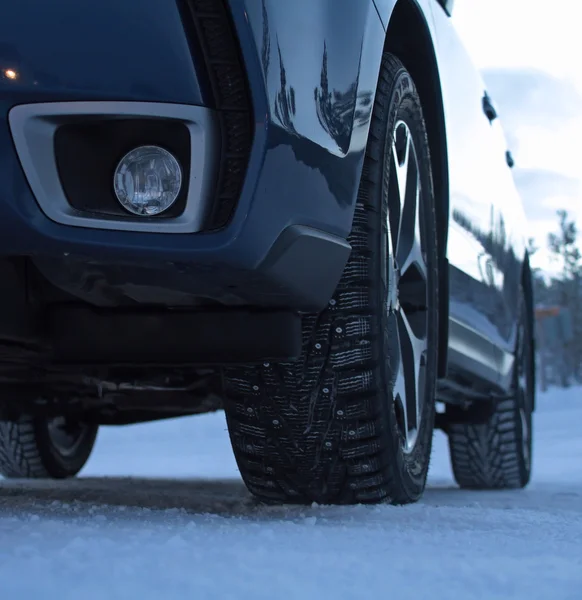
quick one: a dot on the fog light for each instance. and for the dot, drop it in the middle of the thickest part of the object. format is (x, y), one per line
(147, 180)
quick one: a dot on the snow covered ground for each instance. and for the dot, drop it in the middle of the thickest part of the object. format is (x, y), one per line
(198, 535)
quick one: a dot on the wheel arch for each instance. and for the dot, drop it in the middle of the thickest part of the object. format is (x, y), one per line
(409, 38)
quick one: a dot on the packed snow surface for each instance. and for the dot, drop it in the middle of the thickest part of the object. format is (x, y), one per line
(160, 512)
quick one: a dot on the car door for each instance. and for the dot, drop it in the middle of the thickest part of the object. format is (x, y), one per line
(484, 213)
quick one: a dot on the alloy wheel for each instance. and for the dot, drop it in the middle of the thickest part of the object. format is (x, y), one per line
(407, 283)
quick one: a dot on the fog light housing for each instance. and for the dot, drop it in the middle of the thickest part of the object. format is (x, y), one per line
(147, 180)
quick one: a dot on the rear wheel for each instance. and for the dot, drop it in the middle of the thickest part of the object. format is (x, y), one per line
(352, 420)
(38, 447)
(497, 453)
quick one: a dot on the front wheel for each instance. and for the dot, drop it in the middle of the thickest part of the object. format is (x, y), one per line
(352, 420)
(40, 447)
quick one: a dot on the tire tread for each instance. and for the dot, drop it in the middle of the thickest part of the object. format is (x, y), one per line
(314, 430)
(27, 452)
(486, 455)
(20, 456)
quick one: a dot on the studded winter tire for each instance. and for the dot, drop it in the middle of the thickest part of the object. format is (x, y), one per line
(352, 420)
(496, 452)
(37, 447)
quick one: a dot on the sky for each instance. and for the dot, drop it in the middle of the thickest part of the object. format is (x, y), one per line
(530, 58)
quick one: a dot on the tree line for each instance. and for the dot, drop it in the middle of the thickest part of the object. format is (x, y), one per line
(558, 300)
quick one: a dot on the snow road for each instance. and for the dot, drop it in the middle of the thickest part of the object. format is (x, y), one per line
(198, 535)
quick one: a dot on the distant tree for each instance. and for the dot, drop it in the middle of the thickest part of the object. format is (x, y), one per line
(540, 287)
(563, 245)
(566, 291)
(532, 247)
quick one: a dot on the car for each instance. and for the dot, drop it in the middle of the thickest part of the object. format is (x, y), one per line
(301, 213)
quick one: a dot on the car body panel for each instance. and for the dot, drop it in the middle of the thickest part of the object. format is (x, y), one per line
(307, 154)
(302, 176)
(311, 68)
(486, 245)
(106, 50)
(313, 94)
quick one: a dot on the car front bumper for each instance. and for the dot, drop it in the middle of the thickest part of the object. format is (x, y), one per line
(273, 176)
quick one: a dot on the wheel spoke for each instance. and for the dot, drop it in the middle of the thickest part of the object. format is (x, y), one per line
(405, 215)
(400, 396)
(415, 257)
(409, 381)
(401, 152)
(409, 203)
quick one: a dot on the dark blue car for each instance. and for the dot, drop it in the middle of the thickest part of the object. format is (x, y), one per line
(301, 212)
